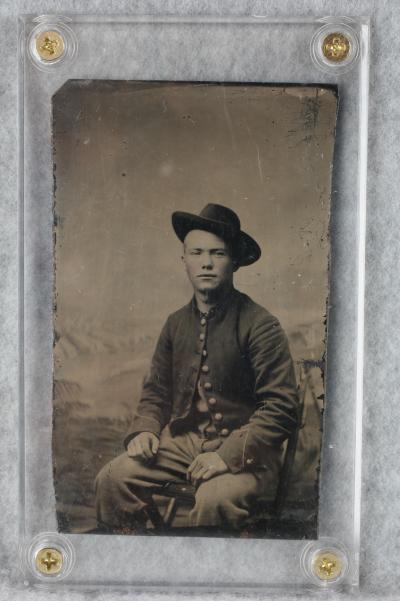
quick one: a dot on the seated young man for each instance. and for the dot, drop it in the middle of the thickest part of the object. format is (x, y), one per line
(220, 397)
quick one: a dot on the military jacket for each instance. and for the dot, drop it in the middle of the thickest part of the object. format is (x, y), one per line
(241, 355)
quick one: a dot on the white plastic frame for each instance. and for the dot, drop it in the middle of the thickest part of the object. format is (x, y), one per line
(171, 563)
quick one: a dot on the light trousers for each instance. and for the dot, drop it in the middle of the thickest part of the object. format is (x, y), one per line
(224, 500)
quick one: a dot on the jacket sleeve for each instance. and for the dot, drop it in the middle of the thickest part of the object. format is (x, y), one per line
(276, 402)
(154, 408)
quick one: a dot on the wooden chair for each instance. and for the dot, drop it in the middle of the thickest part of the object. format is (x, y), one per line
(184, 494)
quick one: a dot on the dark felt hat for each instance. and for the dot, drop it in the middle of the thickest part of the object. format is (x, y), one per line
(223, 222)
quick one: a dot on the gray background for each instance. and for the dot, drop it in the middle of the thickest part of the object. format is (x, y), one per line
(380, 545)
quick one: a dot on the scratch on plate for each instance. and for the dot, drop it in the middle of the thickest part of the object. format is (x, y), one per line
(260, 171)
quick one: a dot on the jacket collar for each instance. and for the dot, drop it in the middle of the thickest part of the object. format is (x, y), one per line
(218, 310)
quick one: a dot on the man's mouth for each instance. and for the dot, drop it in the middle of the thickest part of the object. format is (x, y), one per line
(206, 275)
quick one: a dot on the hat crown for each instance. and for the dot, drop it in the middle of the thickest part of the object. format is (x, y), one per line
(223, 215)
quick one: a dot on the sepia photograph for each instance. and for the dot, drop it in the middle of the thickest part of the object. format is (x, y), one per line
(191, 294)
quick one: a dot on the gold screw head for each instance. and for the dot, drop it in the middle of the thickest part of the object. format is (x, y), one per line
(50, 45)
(49, 561)
(336, 47)
(327, 566)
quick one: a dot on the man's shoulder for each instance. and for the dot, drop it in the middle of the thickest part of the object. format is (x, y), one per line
(176, 316)
(259, 326)
(254, 313)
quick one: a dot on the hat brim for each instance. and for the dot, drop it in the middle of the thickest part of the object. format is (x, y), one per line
(246, 249)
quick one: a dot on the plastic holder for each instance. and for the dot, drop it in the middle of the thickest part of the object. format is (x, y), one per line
(330, 54)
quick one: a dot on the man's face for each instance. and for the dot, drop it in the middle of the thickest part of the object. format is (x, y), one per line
(208, 262)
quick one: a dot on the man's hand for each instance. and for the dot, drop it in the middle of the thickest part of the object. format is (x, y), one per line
(206, 466)
(143, 446)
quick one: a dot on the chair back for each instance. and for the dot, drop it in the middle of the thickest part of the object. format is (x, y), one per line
(291, 446)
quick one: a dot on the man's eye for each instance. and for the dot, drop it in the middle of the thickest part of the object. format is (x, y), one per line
(220, 253)
(194, 252)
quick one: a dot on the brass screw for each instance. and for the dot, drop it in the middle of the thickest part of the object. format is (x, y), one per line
(327, 566)
(49, 561)
(336, 47)
(50, 45)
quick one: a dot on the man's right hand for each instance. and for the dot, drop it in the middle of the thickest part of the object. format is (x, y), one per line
(143, 446)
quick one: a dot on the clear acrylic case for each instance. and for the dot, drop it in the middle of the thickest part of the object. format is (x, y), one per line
(214, 49)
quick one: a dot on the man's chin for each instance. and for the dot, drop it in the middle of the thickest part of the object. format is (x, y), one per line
(204, 286)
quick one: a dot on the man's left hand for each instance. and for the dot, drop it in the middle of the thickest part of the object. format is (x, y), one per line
(206, 466)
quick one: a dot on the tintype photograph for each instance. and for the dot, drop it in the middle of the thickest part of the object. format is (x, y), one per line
(191, 290)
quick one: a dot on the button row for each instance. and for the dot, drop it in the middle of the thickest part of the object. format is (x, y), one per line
(207, 385)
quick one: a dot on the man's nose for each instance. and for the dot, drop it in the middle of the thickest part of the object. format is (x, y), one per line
(207, 261)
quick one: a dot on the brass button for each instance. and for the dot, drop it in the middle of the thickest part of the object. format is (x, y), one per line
(249, 461)
(205, 368)
(218, 417)
(204, 353)
(207, 385)
(336, 47)
(327, 566)
(202, 336)
(50, 45)
(49, 561)
(224, 432)
(212, 401)
(203, 321)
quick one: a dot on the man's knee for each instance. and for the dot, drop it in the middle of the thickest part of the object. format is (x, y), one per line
(117, 503)
(114, 473)
(219, 501)
(103, 478)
